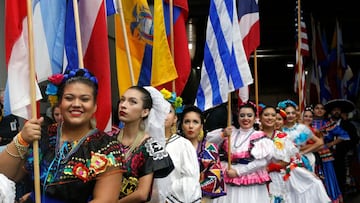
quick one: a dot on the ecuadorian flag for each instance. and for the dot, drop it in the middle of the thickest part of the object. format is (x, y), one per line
(152, 63)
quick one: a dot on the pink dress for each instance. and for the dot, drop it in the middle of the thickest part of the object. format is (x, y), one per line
(251, 151)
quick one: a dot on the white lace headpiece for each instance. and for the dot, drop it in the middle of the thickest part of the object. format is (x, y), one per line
(155, 123)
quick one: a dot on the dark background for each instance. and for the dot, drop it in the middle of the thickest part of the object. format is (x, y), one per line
(277, 40)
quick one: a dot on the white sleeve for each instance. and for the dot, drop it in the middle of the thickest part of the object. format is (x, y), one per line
(215, 136)
(243, 169)
(262, 151)
(187, 187)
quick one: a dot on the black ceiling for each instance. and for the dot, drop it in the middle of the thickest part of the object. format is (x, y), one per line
(277, 28)
(277, 37)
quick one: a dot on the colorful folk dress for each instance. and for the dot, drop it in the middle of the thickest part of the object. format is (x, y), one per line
(302, 185)
(211, 174)
(71, 167)
(327, 159)
(149, 157)
(251, 151)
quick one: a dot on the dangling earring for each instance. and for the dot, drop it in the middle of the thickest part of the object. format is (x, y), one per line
(93, 122)
(173, 129)
(142, 125)
(201, 135)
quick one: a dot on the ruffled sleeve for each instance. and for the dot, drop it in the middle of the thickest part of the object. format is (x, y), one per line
(337, 131)
(215, 136)
(262, 151)
(284, 148)
(263, 148)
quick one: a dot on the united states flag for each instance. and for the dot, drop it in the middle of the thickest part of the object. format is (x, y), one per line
(303, 46)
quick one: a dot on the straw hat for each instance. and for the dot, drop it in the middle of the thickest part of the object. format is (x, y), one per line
(345, 105)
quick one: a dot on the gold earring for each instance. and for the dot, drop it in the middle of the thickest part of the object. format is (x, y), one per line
(142, 125)
(201, 135)
(173, 129)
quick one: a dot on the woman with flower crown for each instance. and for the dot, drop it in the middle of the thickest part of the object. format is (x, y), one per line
(182, 184)
(290, 182)
(250, 152)
(300, 178)
(142, 141)
(301, 134)
(78, 162)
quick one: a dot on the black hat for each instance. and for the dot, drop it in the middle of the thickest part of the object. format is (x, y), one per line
(345, 105)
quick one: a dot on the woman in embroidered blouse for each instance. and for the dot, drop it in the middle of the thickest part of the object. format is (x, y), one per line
(290, 182)
(300, 134)
(81, 163)
(329, 132)
(284, 149)
(182, 184)
(143, 111)
(211, 175)
(251, 152)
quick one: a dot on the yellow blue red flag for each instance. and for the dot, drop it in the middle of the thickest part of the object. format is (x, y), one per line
(150, 55)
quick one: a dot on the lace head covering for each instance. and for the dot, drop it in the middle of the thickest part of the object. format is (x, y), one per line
(155, 122)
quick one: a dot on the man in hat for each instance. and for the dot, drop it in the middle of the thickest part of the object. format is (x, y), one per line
(337, 108)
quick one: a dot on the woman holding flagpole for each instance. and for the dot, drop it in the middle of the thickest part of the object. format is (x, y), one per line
(251, 151)
(78, 162)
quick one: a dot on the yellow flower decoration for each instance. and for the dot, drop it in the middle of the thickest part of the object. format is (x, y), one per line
(173, 99)
(166, 93)
(279, 144)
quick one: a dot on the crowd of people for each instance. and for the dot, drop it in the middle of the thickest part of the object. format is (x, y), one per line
(164, 151)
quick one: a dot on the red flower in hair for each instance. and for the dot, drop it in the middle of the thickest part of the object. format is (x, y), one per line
(56, 79)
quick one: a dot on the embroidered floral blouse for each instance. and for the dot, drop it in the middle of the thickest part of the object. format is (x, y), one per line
(149, 157)
(73, 166)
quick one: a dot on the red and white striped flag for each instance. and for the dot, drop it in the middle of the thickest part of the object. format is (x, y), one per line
(304, 51)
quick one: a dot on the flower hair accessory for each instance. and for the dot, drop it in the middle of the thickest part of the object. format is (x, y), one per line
(281, 112)
(249, 104)
(59, 79)
(173, 99)
(286, 103)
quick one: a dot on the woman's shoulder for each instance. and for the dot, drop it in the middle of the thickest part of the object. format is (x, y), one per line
(101, 136)
(100, 141)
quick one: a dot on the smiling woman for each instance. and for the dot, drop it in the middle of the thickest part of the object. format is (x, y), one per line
(73, 156)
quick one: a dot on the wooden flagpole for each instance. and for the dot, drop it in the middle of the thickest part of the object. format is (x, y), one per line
(127, 47)
(256, 83)
(172, 49)
(229, 124)
(298, 56)
(78, 34)
(33, 99)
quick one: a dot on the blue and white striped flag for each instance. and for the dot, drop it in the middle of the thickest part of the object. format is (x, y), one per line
(225, 67)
